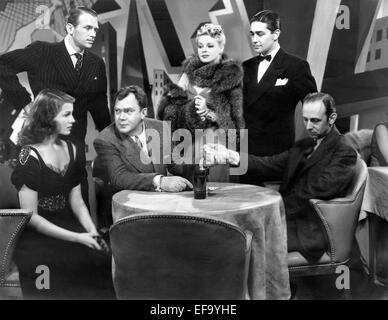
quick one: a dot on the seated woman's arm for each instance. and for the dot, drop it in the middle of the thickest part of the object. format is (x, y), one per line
(29, 200)
(382, 140)
(80, 210)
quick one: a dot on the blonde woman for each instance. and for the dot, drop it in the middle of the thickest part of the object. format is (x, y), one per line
(209, 93)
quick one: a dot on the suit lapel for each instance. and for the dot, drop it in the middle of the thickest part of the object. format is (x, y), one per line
(275, 69)
(88, 71)
(64, 66)
(132, 154)
(296, 156)
(324, 147)
(158, 164)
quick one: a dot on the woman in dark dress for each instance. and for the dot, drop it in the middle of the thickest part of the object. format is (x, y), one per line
(61, 237)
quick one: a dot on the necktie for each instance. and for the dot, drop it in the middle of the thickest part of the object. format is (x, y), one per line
(138, 142)
(149, 147)
(261, 58)
(310, 150)
(140, 145)
(78, 64)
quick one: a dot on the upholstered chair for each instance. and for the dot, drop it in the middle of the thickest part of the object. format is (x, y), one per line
(339, 217)
(12, 222)
(179, 256)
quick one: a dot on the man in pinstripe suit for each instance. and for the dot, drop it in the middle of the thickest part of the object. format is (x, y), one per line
(66, 66)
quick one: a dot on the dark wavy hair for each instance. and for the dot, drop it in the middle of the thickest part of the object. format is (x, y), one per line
(269, 17)
(124, 92)
(74, 14)
(40, 118)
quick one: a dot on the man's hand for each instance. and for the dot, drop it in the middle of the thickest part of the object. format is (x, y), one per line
(215, 154)
(175, 184)
(219, 154)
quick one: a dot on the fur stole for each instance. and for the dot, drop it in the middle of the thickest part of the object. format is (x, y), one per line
(220, 77)
(225, 98)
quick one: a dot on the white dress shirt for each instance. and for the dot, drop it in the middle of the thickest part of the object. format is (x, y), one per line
(143, 139)
(264, 65)
(71, 51)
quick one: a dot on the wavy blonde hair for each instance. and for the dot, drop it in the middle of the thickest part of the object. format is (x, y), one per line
(213, 30)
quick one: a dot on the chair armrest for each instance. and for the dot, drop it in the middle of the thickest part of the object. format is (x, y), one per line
(339, 217)
(330, 210)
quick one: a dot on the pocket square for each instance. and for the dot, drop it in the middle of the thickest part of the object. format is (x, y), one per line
(281, 82)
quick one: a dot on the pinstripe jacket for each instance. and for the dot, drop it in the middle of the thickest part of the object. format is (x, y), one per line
(48, 65)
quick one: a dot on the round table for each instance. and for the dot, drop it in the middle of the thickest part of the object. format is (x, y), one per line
(375, 207)
(257, 209)
(376, 193)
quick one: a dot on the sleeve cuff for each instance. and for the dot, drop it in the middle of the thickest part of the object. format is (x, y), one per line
(233, 157)
(156, 182)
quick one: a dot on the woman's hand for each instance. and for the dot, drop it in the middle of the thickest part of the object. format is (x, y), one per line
(104, 246)
(89, 240)
(200, 105)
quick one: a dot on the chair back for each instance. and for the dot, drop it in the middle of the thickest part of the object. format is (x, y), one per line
(12, 222)
(176, 256)
(341, 215)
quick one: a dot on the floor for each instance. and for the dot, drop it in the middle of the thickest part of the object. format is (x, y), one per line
(324, 287)
(317, 287)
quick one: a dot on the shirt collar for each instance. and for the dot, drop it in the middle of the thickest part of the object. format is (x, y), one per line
(319, 140)
(142, 137)
(142, 134)
(274, 51)
(69, 48)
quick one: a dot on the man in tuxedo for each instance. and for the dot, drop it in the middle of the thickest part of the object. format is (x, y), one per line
(130, 150)
(66, 66)
(319, 167)
(274, 83)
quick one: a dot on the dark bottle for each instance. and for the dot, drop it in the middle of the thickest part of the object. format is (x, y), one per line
(199, 182)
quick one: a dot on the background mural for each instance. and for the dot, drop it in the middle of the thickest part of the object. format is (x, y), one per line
(145, 41)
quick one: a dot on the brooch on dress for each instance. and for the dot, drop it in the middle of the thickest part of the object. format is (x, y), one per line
(24, 155)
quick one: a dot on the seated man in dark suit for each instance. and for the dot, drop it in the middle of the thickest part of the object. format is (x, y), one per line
(130, 151)
(124, 147)
(316, 167)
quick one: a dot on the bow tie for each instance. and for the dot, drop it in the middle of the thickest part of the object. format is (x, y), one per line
(261, 58)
